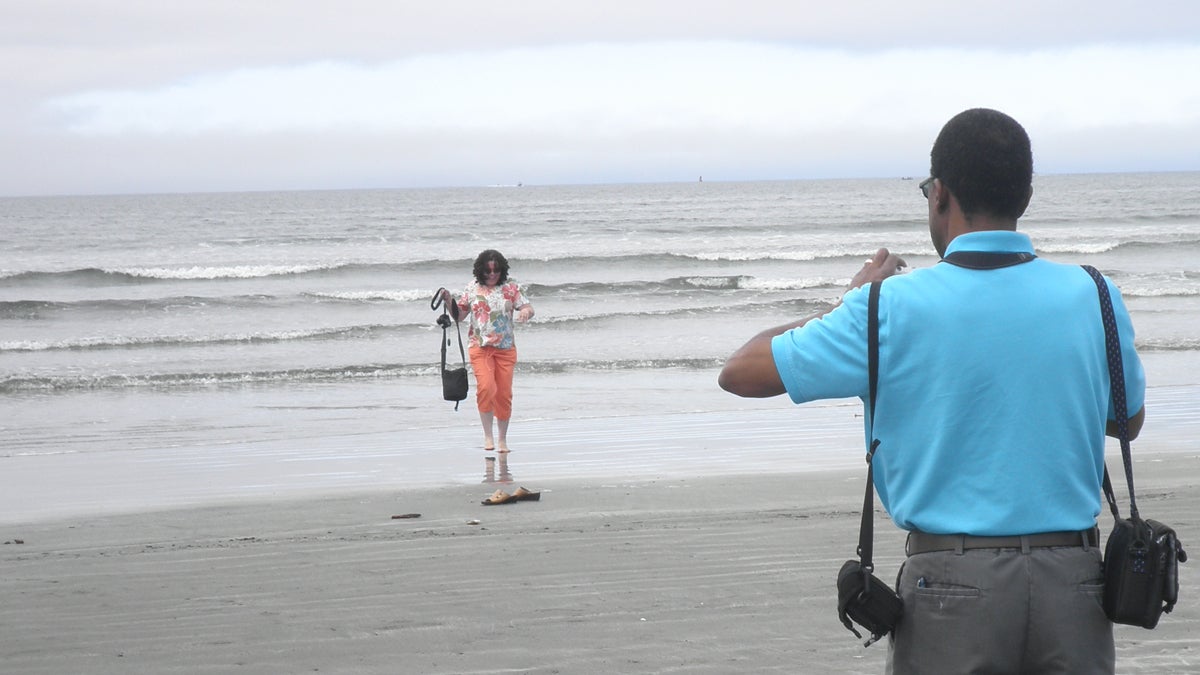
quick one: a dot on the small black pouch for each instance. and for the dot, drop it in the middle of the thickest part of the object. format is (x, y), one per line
(865, 600)
(454, 384)
(1141, 571)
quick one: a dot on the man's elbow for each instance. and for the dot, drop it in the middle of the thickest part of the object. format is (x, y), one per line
(1133, 425)
(742, 384)
(729, 382)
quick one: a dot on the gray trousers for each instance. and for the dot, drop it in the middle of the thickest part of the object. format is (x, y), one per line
(1002, 611)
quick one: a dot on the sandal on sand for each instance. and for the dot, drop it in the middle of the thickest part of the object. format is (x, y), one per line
(522, 494)
(499, 497)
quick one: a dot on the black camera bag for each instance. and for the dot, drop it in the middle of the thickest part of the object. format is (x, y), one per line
(1141, 571)
(454, 380)
(1141, 557)
(862, 597)
(865, 600)
(454, 384)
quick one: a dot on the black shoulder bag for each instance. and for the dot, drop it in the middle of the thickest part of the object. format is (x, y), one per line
(1141, 557)
(862, 597)
(454, 380)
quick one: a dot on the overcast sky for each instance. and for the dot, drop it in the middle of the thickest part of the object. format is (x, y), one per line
(136, 96)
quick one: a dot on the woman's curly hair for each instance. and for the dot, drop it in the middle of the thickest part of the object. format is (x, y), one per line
(481, 265)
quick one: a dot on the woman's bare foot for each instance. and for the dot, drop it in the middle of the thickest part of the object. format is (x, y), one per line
(503, 447)
(488, 445)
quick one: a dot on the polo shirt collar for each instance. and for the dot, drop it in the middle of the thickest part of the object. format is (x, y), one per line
(992, 241)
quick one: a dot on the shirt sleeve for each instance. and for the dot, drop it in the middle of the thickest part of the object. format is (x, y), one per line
(826, 357)
(520, 300)
(464, 300)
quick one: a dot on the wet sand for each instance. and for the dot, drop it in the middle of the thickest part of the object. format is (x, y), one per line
(712, 574)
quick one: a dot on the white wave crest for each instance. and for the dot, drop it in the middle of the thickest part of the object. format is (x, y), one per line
(228, 272)
(1077, 247)
(1161, 284)
(362, 296)
(1169, 344)
(1130, 291)
(24, 346)
(754, 284)
(747, 256)
(152, 340)
(712, 282)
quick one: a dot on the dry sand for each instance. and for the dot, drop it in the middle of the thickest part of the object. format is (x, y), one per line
(708, 575)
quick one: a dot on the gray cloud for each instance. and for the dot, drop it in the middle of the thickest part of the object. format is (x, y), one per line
(148, 96)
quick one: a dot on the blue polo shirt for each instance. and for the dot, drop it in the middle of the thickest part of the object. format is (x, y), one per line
(993, 390)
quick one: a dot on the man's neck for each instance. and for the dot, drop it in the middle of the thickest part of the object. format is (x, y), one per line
(961, 223)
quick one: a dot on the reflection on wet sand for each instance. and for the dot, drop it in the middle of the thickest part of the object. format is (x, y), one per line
(489, 471)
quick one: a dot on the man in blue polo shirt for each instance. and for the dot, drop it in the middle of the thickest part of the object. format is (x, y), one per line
(992, 406)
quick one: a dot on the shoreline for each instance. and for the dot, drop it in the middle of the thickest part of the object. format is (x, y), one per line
(685, 444)
(255, 446)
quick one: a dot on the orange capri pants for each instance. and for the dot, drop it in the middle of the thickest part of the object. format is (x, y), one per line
(493, 370)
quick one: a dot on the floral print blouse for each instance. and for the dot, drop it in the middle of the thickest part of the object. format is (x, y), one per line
(492, 313)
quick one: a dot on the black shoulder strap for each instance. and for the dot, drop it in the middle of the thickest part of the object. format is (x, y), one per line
(462, 354)
(866, 532)
(987, 260)
(444, 322)
(1116, 376)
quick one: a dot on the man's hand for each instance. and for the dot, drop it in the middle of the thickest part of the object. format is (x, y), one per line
(751, 371)
(882, 266)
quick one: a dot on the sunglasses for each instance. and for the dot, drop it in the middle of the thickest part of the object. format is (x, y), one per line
(926, 185)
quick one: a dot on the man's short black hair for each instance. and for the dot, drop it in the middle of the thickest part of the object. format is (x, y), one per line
(481, 265)
(983, 156)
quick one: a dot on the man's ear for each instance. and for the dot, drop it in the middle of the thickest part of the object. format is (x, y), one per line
(1028, 197)
(941, 196)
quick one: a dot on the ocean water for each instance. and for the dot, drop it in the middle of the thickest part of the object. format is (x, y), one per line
(222, 324)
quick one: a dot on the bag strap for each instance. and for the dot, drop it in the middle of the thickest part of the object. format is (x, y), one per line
(866, 531)
(461, 353)
(444, 322)
(1116, 376)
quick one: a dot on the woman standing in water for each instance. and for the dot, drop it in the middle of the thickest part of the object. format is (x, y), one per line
(491, 301)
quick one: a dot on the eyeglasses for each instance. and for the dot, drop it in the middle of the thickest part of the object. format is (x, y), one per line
(926, 185)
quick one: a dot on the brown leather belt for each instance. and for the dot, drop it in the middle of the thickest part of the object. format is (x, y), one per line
(923, 542)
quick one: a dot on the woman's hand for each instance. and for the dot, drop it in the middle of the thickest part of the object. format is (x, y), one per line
(524, 314)
(451, 305)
